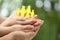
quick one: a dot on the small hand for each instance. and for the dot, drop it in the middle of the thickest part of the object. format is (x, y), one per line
(13, 19)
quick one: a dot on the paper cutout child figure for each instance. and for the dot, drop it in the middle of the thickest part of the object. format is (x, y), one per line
(25, 12)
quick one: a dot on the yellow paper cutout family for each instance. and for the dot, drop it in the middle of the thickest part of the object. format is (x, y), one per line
(25, 12)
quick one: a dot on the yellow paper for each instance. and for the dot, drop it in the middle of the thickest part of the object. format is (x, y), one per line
(32, 13)
(28, 11)
(18, 12)
(23, 11)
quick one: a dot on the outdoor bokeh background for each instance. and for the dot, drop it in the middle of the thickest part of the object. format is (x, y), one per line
(47, 10)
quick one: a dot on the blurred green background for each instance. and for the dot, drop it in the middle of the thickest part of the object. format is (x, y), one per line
(47, 10)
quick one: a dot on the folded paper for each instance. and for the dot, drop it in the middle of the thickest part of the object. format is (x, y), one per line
(25, 12)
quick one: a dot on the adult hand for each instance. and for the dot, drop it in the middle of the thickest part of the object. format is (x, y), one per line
(6, 30)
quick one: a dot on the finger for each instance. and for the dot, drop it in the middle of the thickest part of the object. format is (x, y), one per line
(39, 22)
(35, 16)
(27, 27)
(26, 21)
(22, 33)
(22, 27)
(35, 28)
(28, 30)
(37, 25)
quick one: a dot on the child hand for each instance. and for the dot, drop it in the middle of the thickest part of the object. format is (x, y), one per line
(13, 19)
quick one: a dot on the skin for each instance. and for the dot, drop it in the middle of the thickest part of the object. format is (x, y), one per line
(20, 29)
(2, 19)
(13, 19)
